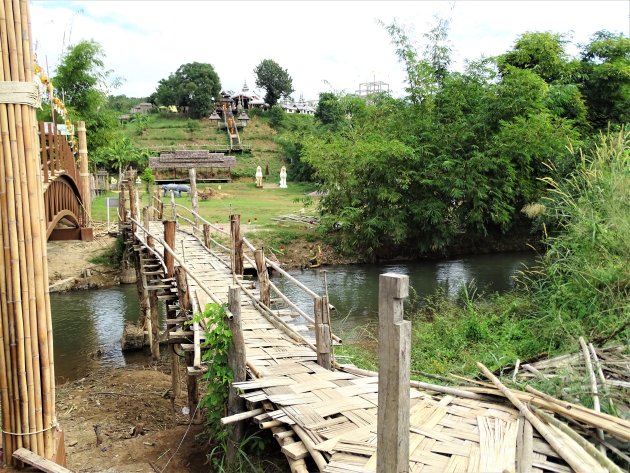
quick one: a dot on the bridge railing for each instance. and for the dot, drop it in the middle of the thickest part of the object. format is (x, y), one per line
(178, 216)
(205, 236)
(56, 154)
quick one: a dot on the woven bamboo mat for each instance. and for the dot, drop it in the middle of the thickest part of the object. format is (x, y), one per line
(337, 411)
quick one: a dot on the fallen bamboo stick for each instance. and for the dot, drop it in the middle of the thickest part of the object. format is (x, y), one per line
(581, 441)
(542, 429)
(318, 458)
(269, 424)
(418, 384)
(296, 466)
(593, 381)
(241, 416)
(600, 373)
(614, 425)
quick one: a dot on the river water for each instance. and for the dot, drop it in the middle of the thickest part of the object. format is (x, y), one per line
(88, 324)
(87, 327)
(353, 289)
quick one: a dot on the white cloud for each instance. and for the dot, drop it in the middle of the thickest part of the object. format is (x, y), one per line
(337, 41)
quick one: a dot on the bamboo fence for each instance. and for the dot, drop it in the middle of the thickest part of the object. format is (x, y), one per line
(26, 361)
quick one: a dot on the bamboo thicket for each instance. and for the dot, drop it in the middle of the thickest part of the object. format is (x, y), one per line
(26, 361)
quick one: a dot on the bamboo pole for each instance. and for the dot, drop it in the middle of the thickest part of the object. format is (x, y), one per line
(26, 329)
(591, 376)
(5, 355)
(542, 429)
(84, 181)
(28, 170)
(9, 141)
(601, 457)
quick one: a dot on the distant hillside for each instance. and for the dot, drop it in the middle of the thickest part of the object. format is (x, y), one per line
(159, 130)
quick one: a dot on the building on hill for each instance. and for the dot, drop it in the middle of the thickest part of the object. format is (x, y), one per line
(249, 99)
(288, 105)
(302, 107)
(142, 108)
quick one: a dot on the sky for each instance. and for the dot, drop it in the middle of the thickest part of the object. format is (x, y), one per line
(324, 45)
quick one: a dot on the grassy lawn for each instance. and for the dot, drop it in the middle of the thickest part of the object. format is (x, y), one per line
(241, 197)
(258, 206)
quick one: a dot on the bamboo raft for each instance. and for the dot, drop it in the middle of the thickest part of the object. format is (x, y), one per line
(330, 416)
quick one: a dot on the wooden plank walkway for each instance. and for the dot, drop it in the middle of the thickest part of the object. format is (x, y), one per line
(334, 413)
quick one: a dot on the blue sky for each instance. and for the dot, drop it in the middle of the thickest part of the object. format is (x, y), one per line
(339, 42)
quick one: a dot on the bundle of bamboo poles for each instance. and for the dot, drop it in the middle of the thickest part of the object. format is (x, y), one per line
(26, 352)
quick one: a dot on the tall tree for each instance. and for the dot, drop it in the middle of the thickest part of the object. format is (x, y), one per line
(541, 52)
(328, 110)
(194, 85)
(606, 78)
(276, 81)
(83, 82)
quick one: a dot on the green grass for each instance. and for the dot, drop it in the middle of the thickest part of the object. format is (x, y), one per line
(259, 206)
(171, 131)
(112, 256)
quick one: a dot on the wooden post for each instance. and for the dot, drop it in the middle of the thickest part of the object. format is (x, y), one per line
(185, 306)
(192, 174)
(237, 244)
(83, 172)
(192, 388)
(132, 203)
(146, 217)
(237, 362)
(183, 292)
(394, 345)
(157, 202)
(169, 237)
(140, 284)
(263, 276)
(152, 322)
(122, 211)
(323, 339)
(206, 235)
(173, 208)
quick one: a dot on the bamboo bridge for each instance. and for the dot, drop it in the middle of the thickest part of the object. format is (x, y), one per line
(323, 413)
(66, 185)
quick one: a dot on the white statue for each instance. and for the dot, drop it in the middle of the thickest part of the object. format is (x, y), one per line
(283, 178)
(259, 176)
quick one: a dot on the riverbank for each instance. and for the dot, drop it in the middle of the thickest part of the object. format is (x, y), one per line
(70, 264)
(139, 425)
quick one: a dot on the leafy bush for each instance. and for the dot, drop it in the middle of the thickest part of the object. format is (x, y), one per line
(112, 256)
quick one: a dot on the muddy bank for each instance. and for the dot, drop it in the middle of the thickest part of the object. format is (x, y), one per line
(138, 423)
(70, 266)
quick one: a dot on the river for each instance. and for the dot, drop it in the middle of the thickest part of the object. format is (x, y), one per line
(88, 324)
